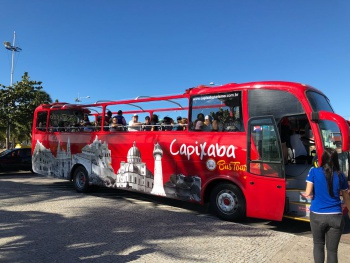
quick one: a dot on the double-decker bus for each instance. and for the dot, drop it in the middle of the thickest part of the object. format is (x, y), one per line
(228, 146)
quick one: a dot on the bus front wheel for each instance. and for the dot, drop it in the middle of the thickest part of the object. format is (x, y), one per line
(227, 202)
(81, 180)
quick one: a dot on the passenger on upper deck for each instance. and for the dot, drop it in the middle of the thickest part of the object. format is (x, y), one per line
(120, 118)
(217, 123)
(199, 122)
(134, 124)
(178, 126)
(108, 118)
(167, 124)
(233, 124)
(87, 124)
(184, 123)
(155, 122)
(115, 126)
(146, 126)
(41, 126)
(207, 124)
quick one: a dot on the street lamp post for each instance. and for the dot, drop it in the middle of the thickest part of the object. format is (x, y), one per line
(78, 99)
(13, 49)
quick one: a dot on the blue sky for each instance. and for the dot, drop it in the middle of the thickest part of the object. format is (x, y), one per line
(117, 49)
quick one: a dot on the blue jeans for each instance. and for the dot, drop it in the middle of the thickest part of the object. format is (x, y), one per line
(326, 229)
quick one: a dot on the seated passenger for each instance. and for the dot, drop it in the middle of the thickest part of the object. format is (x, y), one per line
(207, 123)
(298, 148)
(233, 125)
(108, 120)
(167, 124)
(146, 126)
(184, 123)
(199, 122)
(178, 126)
(285, 138)
(134, 124)
(87, 124)
(98, 123)
(217, 123)
(41, 126)
(61, 126)
(155, 122)
(115, 126)
(120, 118)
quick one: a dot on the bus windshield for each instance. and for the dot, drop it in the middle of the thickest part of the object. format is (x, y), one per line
(331, 138)
(318, 102)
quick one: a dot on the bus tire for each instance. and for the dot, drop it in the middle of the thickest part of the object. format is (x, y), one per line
(81, 180)
(227, 202)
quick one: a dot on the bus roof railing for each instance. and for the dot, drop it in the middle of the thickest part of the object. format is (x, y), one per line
(165, 100)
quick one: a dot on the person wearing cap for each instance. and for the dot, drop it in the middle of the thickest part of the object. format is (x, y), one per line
(207, 123)
(134, 124)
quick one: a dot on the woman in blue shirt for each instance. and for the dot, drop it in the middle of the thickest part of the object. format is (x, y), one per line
(324, 184)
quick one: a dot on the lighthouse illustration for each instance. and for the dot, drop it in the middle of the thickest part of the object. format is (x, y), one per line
(158, 188)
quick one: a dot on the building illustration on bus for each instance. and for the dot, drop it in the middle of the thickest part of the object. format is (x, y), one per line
(244, 149)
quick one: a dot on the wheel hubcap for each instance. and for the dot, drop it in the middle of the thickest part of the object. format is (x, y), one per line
(81, 180)
(227, 202)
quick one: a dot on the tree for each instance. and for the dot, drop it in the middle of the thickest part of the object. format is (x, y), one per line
(18, 103)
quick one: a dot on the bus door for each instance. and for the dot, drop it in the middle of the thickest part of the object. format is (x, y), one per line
(265, 180)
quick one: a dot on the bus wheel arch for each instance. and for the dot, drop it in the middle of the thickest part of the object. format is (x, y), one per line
(227, 201)
(81, 179)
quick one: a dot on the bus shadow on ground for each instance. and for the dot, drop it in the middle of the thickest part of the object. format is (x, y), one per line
(52, 223)
(286, 225)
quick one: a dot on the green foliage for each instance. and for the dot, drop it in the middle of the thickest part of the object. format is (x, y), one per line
(18, 104)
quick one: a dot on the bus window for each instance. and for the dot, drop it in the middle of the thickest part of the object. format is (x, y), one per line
(66, 120)
(264, 153)
(41, 121)
(278, 103)
(318, 101)
(223, 110)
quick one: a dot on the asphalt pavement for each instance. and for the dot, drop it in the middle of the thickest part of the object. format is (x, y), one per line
(44, 220)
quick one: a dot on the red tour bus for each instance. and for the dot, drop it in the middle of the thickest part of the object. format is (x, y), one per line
(244, 149)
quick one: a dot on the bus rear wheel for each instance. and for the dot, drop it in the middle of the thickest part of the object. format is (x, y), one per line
(81, 180)
(227, 202)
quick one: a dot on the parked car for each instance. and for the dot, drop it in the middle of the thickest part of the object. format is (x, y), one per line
(16, 159)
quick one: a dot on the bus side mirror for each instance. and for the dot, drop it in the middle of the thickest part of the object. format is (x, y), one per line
(315, 117)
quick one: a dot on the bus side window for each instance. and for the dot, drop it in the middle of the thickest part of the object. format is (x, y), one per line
(219, 112)
(41, 121)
